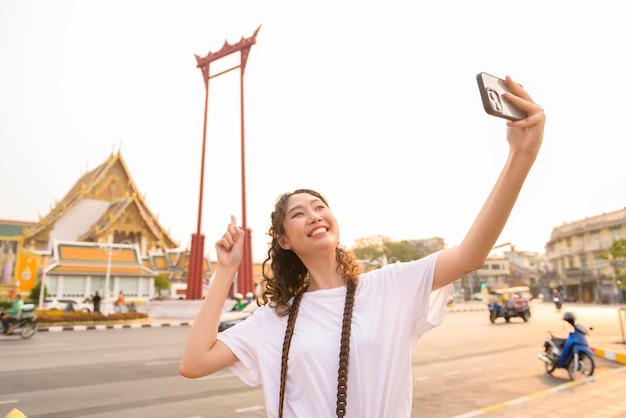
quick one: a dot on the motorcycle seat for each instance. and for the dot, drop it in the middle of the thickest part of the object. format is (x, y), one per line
(559, 342)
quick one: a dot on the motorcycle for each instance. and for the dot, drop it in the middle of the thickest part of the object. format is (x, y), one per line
(25, 326)
(571, 353)
(517, 304)
(557, 302)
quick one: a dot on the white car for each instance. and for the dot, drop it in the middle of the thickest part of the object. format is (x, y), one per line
(228, 319)
(60, 304)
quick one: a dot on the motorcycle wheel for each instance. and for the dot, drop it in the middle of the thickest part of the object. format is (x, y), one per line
(550, 367)
(526, 316)
(492, 316)
(581, 369)
(28, 330)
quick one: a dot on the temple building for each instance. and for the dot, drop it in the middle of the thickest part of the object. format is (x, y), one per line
(101, 232)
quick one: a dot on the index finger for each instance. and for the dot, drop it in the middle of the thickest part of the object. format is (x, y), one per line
(517, 89)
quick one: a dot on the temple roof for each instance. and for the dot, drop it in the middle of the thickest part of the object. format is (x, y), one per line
(90, 258)
(109, 182)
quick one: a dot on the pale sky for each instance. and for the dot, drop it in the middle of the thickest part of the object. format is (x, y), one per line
(374, 104)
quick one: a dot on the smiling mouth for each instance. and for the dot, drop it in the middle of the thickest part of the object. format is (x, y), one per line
(317, 231)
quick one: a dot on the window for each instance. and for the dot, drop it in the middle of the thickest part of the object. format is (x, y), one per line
(595, 235)
(616, 232)
(583, 262)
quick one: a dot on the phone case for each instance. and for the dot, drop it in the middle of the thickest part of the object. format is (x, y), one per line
(491, 90)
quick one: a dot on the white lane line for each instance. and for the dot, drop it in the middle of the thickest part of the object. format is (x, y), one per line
(250, 409)
(160, 363)
(9, 401)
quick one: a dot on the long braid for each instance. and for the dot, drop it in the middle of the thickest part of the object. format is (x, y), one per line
(344, 350)
(293, 314)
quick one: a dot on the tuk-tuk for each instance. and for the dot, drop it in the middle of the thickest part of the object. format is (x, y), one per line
(510, 302)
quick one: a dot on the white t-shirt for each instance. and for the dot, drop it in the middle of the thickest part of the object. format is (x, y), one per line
(393, 308)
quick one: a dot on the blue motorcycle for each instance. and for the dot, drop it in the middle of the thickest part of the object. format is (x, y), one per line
(571, 353)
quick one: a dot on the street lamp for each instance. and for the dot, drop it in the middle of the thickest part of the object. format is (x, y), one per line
(108, 247)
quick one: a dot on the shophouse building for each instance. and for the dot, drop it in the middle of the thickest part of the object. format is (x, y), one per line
(579, 267)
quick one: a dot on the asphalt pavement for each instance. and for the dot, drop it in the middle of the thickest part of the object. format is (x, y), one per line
(599, 396)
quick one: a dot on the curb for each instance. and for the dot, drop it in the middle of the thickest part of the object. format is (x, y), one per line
(60, 328)
(609, 355)
(453, 309)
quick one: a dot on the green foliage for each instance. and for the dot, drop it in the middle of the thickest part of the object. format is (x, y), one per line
(400, 251)
(35, 291)
(616, 255)
(370, 248)
(161, 283)
(375, 247)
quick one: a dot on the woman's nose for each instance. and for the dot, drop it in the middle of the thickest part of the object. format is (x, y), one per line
(315, 218)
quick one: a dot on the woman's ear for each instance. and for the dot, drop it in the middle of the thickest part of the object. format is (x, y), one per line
(284, 243)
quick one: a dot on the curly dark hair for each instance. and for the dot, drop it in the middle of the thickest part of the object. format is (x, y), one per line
(284, 274)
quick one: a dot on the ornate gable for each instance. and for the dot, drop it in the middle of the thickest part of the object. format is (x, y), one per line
(127, 218)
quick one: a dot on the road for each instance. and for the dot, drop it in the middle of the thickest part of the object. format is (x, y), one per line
(465, 364)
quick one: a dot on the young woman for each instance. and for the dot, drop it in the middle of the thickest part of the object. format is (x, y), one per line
(328, 340)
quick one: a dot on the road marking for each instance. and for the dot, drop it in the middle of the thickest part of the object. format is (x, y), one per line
(250, 409)
(9, 401)
(536, 395)
(160, 363)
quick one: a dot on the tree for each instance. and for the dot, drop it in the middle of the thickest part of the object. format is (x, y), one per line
(36, 290)
(616, 255)
(400, 251)
(378, 247)
(370, 248)
(161, 283)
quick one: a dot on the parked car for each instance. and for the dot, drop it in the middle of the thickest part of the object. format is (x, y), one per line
(228, 319)
(60, 304)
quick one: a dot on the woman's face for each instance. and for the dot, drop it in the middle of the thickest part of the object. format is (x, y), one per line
(309, 225)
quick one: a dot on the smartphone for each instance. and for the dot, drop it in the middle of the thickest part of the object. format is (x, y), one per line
(492, 90)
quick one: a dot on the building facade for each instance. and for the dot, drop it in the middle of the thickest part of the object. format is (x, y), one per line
(577, 258)
(507, 267)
